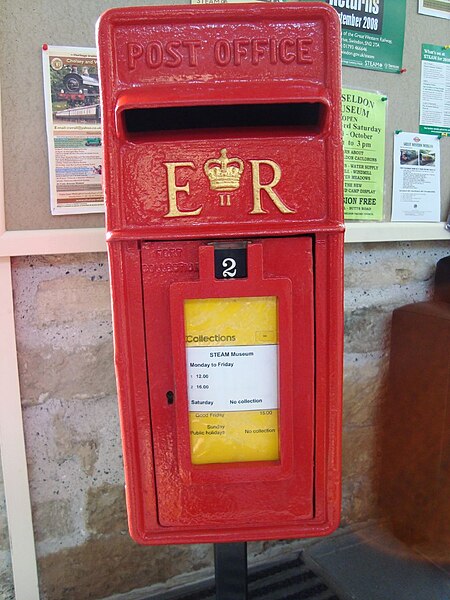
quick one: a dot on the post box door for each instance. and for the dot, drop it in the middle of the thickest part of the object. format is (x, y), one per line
(232, 415)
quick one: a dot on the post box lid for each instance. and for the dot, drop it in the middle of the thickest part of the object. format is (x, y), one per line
(184, 86)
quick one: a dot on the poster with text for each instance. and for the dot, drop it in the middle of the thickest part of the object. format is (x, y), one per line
(73, 117)
(364, 126)
(435, 8)
(373, 33)
(435, 90)
(416, 194)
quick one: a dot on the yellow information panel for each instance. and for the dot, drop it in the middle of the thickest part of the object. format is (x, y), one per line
(232, 374)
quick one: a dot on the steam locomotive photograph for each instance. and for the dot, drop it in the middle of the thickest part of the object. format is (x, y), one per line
(75, 93)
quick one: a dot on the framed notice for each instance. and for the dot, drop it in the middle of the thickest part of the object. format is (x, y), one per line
(72, 106)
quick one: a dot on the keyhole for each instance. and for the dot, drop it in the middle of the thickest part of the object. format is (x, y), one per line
(230, 267)
(170, 397)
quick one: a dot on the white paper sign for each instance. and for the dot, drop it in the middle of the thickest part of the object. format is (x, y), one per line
(416, 194)
(232, 378)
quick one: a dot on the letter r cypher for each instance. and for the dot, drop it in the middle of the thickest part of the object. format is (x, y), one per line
(267, 187)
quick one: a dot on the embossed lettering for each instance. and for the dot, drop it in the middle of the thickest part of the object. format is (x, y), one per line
(273, 51)
(303, 50)
(134, 52)
(267, 187)
(225, 199)
(174, 54)
(240, 50)
(157, 54)
(173, 189)
(154, 54)
(287, 56)
(286, 50)
(222, 52)
(192, 47)
(258, 46)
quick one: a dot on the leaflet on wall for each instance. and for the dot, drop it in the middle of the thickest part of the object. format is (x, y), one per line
(435, 90)
(364, 127)
(435, 8)
(72, 107)
(416, 187)
(373, 33)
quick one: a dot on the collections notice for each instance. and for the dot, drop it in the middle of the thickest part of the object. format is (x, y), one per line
(232, 378)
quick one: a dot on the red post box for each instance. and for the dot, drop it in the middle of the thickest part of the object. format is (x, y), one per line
(223, 178)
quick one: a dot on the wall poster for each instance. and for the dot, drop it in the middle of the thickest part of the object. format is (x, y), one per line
(373, 33)
(416, 194)
(435, 90)
(72, 106)
(364, 126)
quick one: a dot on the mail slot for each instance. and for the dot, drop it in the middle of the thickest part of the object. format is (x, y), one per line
(223, 178)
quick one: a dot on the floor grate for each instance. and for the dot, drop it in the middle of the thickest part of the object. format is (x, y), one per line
(286, 580)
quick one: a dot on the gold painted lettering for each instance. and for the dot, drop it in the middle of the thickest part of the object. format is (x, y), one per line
(225, 199)
(173, 189)
(267, 187)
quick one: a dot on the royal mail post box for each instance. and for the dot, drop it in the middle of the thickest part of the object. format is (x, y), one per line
(223, 178)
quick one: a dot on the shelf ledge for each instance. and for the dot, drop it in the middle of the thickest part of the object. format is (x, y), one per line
(74, 241)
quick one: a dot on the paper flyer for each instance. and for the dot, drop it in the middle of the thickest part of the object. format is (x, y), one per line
(72, 105)
(435, 90)
(435, 8)
(364, 128)
(416, 187)
(373, 33)
(232, 378)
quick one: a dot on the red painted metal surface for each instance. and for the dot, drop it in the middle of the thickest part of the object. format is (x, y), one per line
(222, 123)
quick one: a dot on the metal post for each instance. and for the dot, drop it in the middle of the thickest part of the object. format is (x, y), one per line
(230, 562)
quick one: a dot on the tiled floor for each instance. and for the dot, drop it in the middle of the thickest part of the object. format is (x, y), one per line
(370, 564)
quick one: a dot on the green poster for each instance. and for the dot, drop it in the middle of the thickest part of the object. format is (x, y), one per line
(373, 33)
(363, 122)
(435, 90)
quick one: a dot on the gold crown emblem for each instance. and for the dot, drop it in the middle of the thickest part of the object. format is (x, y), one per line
(224, 173)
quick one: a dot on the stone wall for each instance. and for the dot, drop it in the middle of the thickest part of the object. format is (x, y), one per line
(64, 338)
(378, 278)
